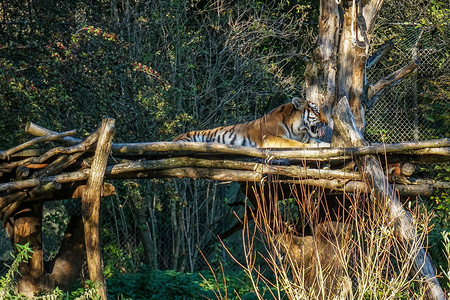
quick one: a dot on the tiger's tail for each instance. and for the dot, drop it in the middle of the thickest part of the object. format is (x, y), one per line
(197, 136)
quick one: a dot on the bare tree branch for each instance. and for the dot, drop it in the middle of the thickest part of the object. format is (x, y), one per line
(377, 55)
(375, 90)
(42, 139)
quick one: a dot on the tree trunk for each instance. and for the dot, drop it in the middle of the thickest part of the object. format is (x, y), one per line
(320, 74)
(385, 195)
(28, 229)
(347, 41)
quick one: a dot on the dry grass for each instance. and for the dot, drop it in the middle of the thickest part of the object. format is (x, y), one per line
(358, 257)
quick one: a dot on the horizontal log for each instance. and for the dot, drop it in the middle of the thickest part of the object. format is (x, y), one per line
(216, 170)
(251, 176)
(180, 162)
(425, 155)
(176, 162)
(70, 190)
(198, 173)
(301, 153)
(154, 148)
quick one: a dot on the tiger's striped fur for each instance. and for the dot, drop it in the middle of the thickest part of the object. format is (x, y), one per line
(294, 124)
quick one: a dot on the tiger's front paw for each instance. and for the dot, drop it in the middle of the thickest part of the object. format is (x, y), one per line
(318, 143)
(324, 145)
(321, 145)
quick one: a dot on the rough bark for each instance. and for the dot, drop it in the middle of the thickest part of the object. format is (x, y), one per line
(8, 210)
(186, 167)
(385, 195)
(27, 229)
(37, 130)
(320, 74)
(90, 203)
(357, 87)
(182, 149)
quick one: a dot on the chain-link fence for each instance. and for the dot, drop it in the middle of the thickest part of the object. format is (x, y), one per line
(163, 224)
(408, 111)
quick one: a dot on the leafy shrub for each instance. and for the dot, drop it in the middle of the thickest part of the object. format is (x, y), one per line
(7, 283)
(155, 284)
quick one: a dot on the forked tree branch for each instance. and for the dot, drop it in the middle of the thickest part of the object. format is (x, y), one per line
(375, 90)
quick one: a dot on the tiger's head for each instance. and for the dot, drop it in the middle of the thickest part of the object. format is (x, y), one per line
(312, 119)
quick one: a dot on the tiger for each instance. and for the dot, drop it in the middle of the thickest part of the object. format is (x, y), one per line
(298, 123)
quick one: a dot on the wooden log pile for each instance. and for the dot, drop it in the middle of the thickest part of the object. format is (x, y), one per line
(38, 174)
(55, 166)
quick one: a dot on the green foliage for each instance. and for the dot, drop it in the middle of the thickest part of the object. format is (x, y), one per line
(88, 292)
(7, 283)
(440, 204)
(178, 64)
(161, 68)
(439, 13)
(435, 107)
(154, 284)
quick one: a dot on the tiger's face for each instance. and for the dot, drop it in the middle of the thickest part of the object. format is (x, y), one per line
(312, 120)
(316, 126)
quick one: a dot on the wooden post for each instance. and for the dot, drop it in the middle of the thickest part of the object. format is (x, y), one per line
(345, 124)
(90, 203)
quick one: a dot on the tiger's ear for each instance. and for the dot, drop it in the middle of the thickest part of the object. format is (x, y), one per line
(298, 103)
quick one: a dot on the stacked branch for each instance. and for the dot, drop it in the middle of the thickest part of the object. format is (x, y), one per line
(27, 178)
(21, 212)
(20, 171)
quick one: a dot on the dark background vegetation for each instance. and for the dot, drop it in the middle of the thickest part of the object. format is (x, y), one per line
(161, 68)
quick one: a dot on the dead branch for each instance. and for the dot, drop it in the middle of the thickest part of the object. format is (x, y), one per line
(323, 154)
(60, 163)
(375, 90)
(4, 155)
(319, 154)
(12, 208)
(10, 203)
(377, 55)
(37, 130)
(8, 200)
(292, 171)
(224, 170)
(117, 171)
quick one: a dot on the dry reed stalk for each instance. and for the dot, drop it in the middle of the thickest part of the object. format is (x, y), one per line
(357, 258)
